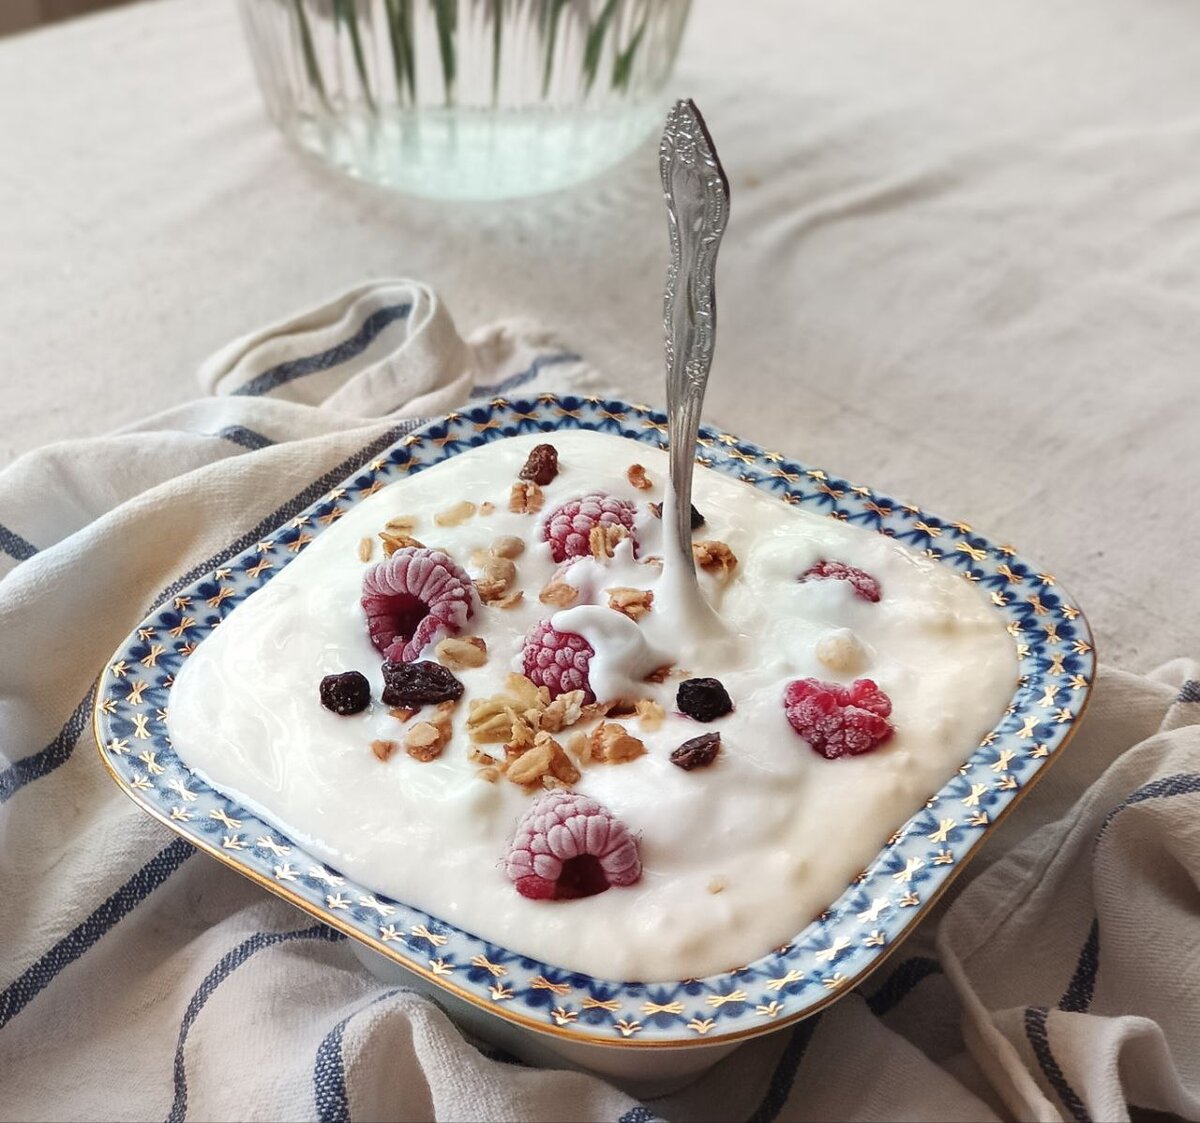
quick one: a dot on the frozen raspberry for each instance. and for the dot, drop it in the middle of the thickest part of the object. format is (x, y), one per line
(839, 720)
(541, 466)
(567, 527)
(704, 699)
(557, 660)
(864, 584)
(345, 694)
(569, 846)
(413, 598)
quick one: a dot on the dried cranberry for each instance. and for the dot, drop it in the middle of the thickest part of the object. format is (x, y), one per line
(697, 752)
(345, 694)
(705, 699)
(541, 466)
(697, 518)
(418, 684)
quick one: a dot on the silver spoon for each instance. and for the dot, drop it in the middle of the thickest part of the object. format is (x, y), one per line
(697, 197)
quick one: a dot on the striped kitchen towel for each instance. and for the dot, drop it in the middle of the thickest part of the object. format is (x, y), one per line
(141, 980)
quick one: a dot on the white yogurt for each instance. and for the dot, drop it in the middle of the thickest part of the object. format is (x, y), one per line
(623, 653)
(781, 828)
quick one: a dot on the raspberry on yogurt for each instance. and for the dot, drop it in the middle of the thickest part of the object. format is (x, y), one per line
(568, 846)
(860, 580)
(559, 661)
(567, 527)
(839, 720)
(413, 598)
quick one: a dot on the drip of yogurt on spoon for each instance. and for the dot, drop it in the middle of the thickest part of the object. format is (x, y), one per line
(681, 603)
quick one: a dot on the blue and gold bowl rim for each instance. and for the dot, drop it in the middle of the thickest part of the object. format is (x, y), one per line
(832, 954)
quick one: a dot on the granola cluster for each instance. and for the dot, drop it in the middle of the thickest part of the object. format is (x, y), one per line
(523, 719)
(425, 740)
(714, 556)
(395, 535)
(603, 540)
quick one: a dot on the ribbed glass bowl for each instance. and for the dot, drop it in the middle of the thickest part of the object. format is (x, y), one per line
(465, 98)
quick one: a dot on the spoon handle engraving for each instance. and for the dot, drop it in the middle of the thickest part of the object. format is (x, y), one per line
(697, 197)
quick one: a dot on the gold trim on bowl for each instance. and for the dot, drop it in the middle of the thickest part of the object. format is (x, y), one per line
(504, 1012)
(585, 1034)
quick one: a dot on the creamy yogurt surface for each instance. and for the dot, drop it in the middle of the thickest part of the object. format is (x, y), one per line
(738, 856)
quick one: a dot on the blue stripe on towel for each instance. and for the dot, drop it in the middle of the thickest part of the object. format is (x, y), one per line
(1190, 691)
(229, 963)
(510, 383)
(1080, 990)
(900, 982)
(1036, 1030)
(1181, 783)
(58, 752)
(17, 775)
(495, 1053)
(329, 1069)
(343, 352)
(14, 545)
(785, 1072)
(19, 993)
(638, 1114)
(247, 438)
(1078, 996)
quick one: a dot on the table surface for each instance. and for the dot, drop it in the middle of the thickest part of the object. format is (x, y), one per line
(963, 263)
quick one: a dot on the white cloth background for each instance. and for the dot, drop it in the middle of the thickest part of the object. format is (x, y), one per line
(141, 980)
(962, 265)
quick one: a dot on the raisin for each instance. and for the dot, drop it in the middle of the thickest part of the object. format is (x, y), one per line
(418, 684)
(705, 699)
(541, 466)
(697, 752)
(345, 694)
(697, 518)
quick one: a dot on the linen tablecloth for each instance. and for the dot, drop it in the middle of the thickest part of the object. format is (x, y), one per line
(962, 264)
(141, 980)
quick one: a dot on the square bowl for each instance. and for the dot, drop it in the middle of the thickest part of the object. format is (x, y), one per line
(621, 1027)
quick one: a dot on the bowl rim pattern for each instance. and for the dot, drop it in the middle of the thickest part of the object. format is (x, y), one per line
(824, 961)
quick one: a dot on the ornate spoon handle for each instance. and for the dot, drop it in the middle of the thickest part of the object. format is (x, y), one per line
(697, 198)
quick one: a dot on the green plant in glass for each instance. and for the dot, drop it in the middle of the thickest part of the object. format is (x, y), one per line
(598, 29)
